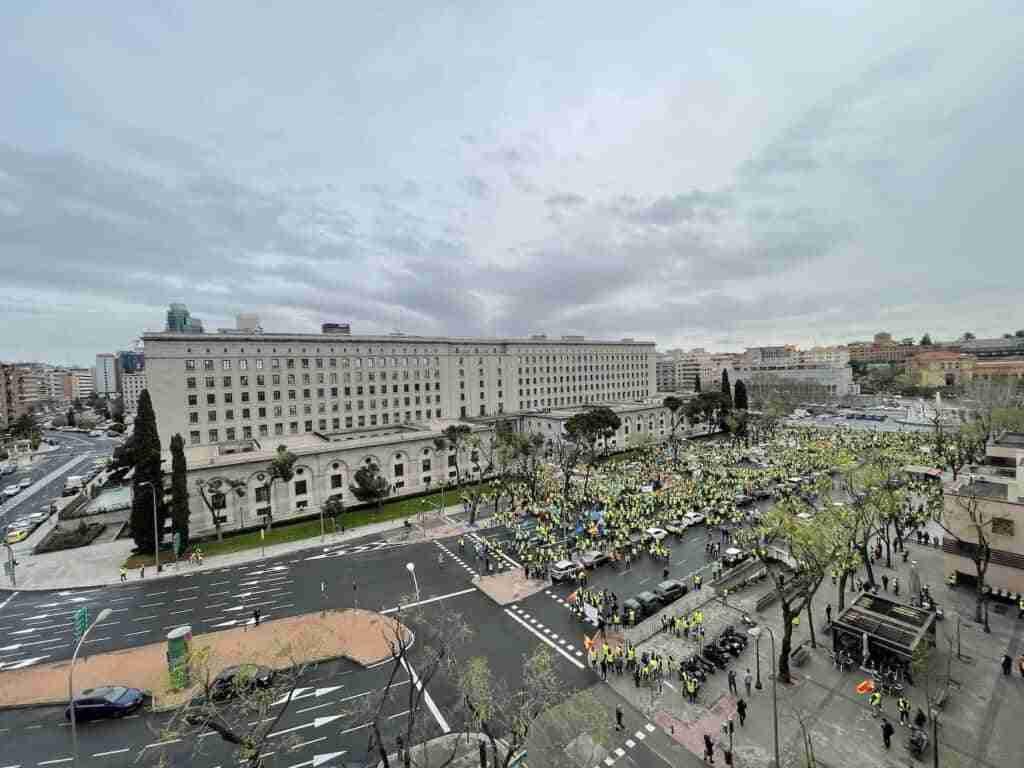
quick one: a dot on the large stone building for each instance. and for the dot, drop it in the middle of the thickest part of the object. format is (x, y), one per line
(665, 373)
(337, 400)
(941, 369)
(22, 388)
(882, 349)
(994, 491)
(82, 383)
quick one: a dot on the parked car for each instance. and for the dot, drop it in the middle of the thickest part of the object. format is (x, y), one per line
(593, 558)
(676, 526)
(694, 518)
(15, 535)
(732, 556)
(12, 490)
(106, 701)
(649, 601)
(670, 591)
(636, 606)
(25, 483)
(657, 533)
(563, 570)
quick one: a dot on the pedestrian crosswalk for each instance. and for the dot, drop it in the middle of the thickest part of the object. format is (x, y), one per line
(546, 631)
(630, 743)
(591, 621)
(468, 568)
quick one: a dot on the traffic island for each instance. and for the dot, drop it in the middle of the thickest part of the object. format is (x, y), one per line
(364, 637)
(510, 587)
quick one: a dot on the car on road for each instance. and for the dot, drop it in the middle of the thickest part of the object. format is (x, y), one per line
(12, 490)
(677, 526)
(669, 591)
(649, 601)
(593, 558)
(229, 683)
(694, 518)
(105, 701)
(656, 533)
(25, 483)
(563, 570)
(734, 556)
(15, 535)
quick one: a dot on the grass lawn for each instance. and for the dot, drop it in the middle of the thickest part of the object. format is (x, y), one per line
(308, 529)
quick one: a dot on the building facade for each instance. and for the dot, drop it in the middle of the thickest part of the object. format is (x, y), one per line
(82, 383)
(882, 349)
(105, 378)
(214, 388)
(132, 385)
(940, 369)
(995, 492)
(665, 373)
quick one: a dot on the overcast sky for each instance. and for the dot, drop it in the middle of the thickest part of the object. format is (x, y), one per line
(714, 174)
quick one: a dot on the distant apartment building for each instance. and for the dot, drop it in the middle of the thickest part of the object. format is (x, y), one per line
(132, 385)
(6, 402)
(882, 349)
(994, 348)
(995, 488)
(128, 361)
(106, 375)
(58, 385)
(941, 369)
(22, 387)
(665, 373)
(82, 383)
(818, 372)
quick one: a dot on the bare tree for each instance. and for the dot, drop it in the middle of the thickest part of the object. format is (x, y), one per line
(214, 495)
(969, 522)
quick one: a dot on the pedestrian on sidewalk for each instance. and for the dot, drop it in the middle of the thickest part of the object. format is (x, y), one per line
(747, 680)
(887, 732)
(142, 571)
(1007, 664)
(732, 683)
(741, 710)
(709, 749)
(618, 717)
(828, 613)
(124, 574)
(256, 616)
(885, 582)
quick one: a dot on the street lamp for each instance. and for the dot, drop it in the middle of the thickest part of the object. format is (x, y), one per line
(755, 632)
(411, 568)
(156, 526)
(103, 615)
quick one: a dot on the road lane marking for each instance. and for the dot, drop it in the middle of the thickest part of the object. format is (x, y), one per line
(143, 632)
(183, 610)
(55, 762)
(143, 618)
(307, 743)
(544, 639)
(185, 599)
(97, 639)
(112, 752)
(427, 698)
(430, 600)
(150, 605)
(162, 743)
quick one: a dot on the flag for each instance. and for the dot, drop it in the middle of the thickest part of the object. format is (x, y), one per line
(588, 643)
(866, 686)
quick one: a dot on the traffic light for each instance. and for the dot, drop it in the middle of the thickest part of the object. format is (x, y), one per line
(81, 621)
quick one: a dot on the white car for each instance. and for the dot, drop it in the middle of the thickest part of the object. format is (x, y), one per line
(657, 533)
(12, 490)
(694, 518)
(25, 483)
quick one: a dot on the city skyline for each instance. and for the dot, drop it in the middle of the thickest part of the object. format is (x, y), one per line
(725, 179)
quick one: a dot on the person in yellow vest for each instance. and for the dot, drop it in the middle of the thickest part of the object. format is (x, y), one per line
(691, 690)
(876, 703)
(1020, 607)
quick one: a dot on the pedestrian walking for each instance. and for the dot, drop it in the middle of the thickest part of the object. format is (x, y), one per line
(747, 680)
(876, 703)
(618, 717)
(124, 574)
(709, 749)
(256, 616)
(741, 710)
(1007, 664)
(904, 709)
(828, 613)
(885, 582)
(887, 732)
(896, 585)
(142, 571)
(732, 683)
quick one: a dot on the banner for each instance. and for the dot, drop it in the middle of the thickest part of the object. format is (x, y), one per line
(590, 611)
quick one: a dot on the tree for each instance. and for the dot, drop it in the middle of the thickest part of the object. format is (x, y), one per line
(281, 470)
(968, 336)
(696, 383)
(567, 454)
(87, 422)
(214, 496)
(969, 522)
(926, 341)
(24, 426)
(1019, 334)
(676, 421)
(537, 710)
(334, 508)
(370, 487)
(453, 439)
(59, 421)
(482, 454)
(740, 401)
(145, 456)
(592, 429)
(726, 388)
(71, 417)
(179, 491)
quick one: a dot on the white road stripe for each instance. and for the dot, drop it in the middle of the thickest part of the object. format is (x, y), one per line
(112, 752)
(545, 639)
(430, 600)
(427, 698)
(55, 762)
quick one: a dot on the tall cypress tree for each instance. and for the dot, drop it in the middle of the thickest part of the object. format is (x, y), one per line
(146, 444)
(696, 383)
(726, 389)
(179, 490)
(741, 395)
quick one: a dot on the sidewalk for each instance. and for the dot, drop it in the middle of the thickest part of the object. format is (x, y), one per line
(99, 564)
(978, 726)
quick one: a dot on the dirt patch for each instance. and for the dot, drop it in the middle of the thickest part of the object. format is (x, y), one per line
(510, 587)
(363, 636)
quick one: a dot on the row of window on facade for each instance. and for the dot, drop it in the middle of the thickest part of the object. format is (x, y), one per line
(307, 408)
(242, 364)
(247, 432)
(228, 398)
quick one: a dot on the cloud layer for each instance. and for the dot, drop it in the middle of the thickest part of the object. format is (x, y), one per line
(722, 178)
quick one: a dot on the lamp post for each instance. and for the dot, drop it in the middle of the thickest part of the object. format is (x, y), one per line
(156, 526)
(757, 657)
(411, 568)
(71, 684)
(755, 632)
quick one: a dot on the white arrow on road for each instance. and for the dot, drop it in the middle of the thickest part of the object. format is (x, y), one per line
(70, 600)
(239, 622)
(305, 693)
(319, 760)
(315, 724)
(275, 569)
(7, 667)
(16, 646)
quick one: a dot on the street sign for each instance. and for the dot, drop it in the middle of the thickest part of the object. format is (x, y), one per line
(81, 621)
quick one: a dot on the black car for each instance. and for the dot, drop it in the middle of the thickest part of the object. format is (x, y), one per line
(649, 601)
(229, 683)
(594, 558)
(670, 591)
(634, 605)
(107, 701)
